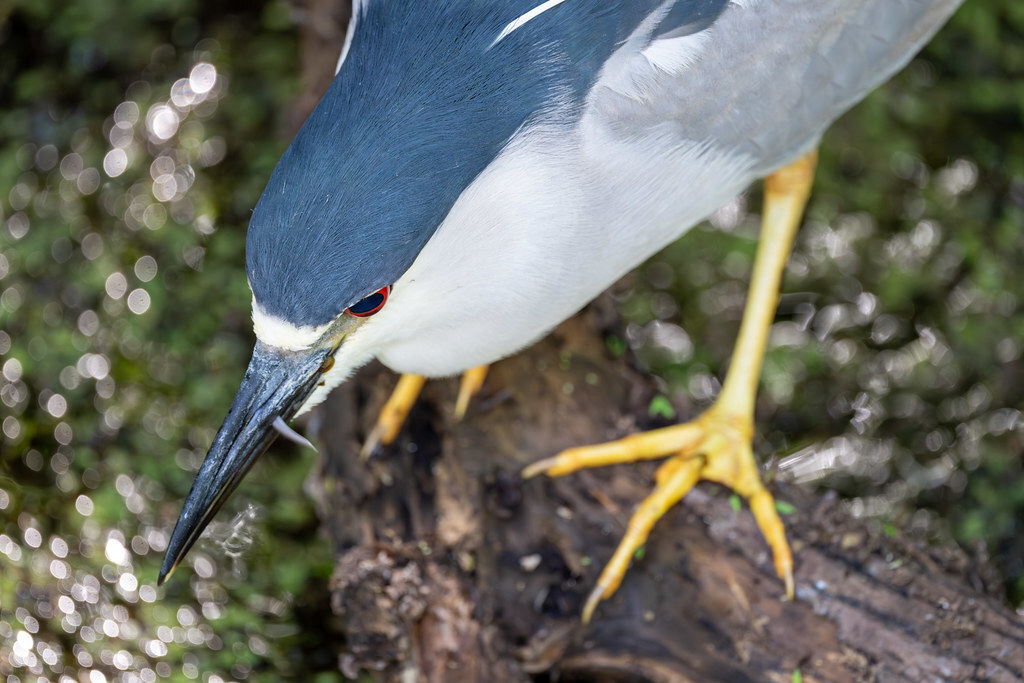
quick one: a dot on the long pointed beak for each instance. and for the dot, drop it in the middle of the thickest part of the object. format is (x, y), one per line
(275, 385)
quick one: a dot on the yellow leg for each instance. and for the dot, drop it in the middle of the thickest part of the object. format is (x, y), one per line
(396, 410)
(472, 381)
(392, 415)
(717, 445)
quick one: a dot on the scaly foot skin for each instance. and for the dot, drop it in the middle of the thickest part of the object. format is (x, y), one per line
(396, 409)
(714, 447)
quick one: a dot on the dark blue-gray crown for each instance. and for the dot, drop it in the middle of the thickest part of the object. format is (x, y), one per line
(422, 104)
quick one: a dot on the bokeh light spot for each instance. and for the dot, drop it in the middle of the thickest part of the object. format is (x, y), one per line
(57, 405)
(165, 187)
(12, 369)
(202, 78)
(84, 505)
(116, 285)
(65, 604)
(46, 157)
(59, 547)
(9, 548)
(11, 299)
(92, 246)
(71, 165)
(128, 582)
(186, 616)
(182, 94)
(147, 593)
(88, 181)
(162, 122)
(115, 551)
(11, 427)
(138, 301)
(33, 538)
(63, 433)
(88, 323)
(154, 216)
(115, 162)
(59, 569)
(146, 268)
(18, 225)
(127, 112)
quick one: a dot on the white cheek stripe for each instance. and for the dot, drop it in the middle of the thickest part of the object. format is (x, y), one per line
(523, 19)
(274, 331)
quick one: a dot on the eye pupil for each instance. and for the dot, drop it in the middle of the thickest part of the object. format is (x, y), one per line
(371, 304)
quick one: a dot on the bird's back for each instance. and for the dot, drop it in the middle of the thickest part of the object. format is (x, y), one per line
(767, 77)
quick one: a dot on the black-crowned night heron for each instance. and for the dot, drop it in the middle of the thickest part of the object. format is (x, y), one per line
(480, 170)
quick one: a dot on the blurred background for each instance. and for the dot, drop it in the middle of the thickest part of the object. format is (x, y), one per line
(135, 137)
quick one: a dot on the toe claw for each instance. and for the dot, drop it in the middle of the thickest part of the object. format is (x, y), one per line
(373, 441)
(393, 414)
(472, 381)
(595, 597)
(762, 505)
(539, 467)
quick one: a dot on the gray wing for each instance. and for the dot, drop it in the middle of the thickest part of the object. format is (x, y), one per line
(767, 77)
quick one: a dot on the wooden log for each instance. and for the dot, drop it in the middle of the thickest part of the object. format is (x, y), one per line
(453, 569)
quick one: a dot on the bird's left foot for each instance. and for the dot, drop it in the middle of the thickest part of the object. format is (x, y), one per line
(396, 409)
(714, 447)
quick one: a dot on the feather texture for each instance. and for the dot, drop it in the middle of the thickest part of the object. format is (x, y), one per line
(487, 156)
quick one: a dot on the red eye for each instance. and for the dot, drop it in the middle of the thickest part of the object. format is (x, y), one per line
(371, 304)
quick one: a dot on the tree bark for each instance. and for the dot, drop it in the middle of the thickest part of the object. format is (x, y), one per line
(451, 568)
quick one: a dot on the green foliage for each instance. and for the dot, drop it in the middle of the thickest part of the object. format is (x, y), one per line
(784, 508)
(736, 503)
(123, 332)
(661, 407)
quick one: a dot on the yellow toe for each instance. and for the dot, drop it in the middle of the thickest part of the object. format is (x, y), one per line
(393, 414)
(469, 386)
(714, 447)
(396, 410)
